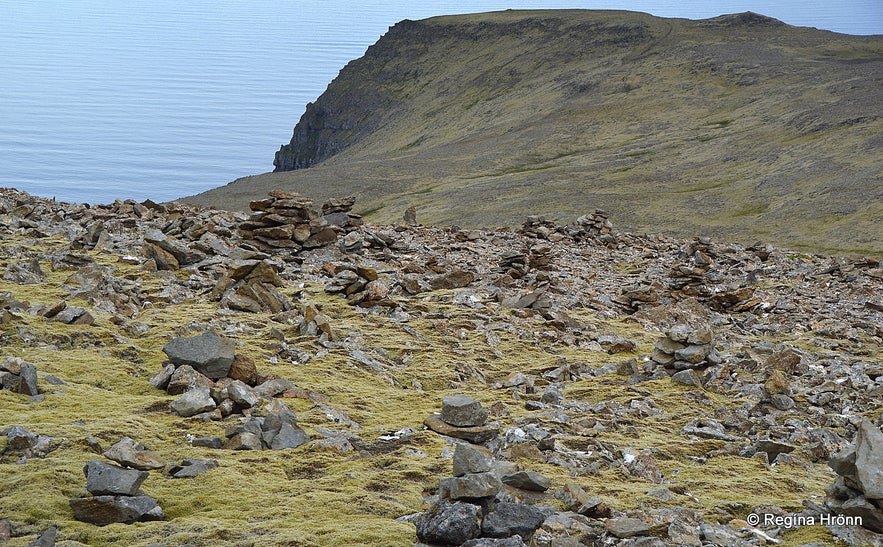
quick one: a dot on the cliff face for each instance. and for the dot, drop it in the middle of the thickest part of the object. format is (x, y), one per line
(738, 126)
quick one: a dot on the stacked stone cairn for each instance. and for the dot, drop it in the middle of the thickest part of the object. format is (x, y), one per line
(684, 349)
(858, 489)
(468, 507)
(596, 227)
(116, 495)
(251, 285)
(360, 285)
(462, 417)
(695, 277)
(287, 220)
(215, 384)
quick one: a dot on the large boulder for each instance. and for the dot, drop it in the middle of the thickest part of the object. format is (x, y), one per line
(104, 510)
(509, 519)
(463, 411)
(106, 479)
(869, 459)
(208, 353)
(193, 402)
(447, 523)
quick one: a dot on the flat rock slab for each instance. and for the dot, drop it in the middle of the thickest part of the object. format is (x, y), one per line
(528, 480)
(477, 434)
(208, 353)
(471, 459)
(627, 527)
(106, 479)
(192, 467)
(469, 486)
(104, 510)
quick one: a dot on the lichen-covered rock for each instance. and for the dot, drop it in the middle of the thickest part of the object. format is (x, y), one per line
(193, 402)
(471, 459)
(131, 454)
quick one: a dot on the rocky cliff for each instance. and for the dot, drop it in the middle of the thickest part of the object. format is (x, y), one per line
(737, 126)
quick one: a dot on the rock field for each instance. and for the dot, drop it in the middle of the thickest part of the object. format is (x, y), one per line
(175, 375)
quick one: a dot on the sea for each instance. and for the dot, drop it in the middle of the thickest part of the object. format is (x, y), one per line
(135, 99)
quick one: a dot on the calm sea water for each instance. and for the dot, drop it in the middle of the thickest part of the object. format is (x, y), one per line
(153, 98)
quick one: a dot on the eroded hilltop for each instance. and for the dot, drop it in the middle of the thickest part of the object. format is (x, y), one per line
(738, 126)
(299, 377)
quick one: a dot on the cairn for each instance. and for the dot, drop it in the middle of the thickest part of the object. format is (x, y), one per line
(360, 285)
(462, 417)
(684, 347)
(286, 220)
(116, 496)
(596, 227)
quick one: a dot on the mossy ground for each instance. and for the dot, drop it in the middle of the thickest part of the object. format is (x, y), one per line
(313, 497)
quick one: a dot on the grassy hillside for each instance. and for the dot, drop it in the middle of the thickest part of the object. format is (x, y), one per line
(738, 126)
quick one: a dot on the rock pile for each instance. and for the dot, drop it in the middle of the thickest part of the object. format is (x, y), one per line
(858, 490)
(361, 285)
(21, 444)
(116, 496)
(685, 347)
(463, 417)
(277, 430)
(18, 376)
(288, 221)
(596, 227)
(467, 508)
(251, 285)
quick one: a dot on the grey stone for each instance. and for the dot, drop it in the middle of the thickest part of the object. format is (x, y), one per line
(19, 438)
(126, 452)
(449, 523)
(106, 479)
(687, 377)
(242, 394)
(661, 493)
(207, 442)
(627, 527)
(471, 459)
(579, 500)
(871, 515)
(693, 354)
(160, 380)
(470, 485)
(782, 401)
(27, 384)
(192, 467)
(74, 315)
(193, 402)
(514, 541)
(509, 519)
(244, 441)
(104, 510)
(477, 434)
(289, 436)
(773, 448)
(869, 459)
(185, 378)
(208, 353)
(843, 463)
(277, 415)
(721, 535)
(528, 480)
(46, 539)
(463, 411)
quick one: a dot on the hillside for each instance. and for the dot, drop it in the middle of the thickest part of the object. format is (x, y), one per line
(738, 126)
(174, 375)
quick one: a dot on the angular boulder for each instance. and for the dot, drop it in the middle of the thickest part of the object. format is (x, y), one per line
(193, 402)
(208, 353)
(463, 411)
(510, 519)
(447, 523)
(106, 479)
(104, 510)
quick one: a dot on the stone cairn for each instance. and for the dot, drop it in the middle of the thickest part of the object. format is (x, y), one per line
(116, 496)
(694, 276)
(462, 417)
(596, 227)
(360, 285)
(683, 350)
(858, 489)
(214, 384)
(286, 220)
(469, 504)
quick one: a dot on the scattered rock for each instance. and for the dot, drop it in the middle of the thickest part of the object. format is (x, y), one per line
(207, 353)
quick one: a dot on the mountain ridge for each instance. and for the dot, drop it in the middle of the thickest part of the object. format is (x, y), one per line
(739, 126)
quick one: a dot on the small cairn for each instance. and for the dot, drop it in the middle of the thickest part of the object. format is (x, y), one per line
(360, 285)
(684, 348)
(462, 417)
(858, 489)
(596, 227)
(540, 228)
(468, 507)
(18, 376)
(116, 496)
(253, 286)
(286, 220)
